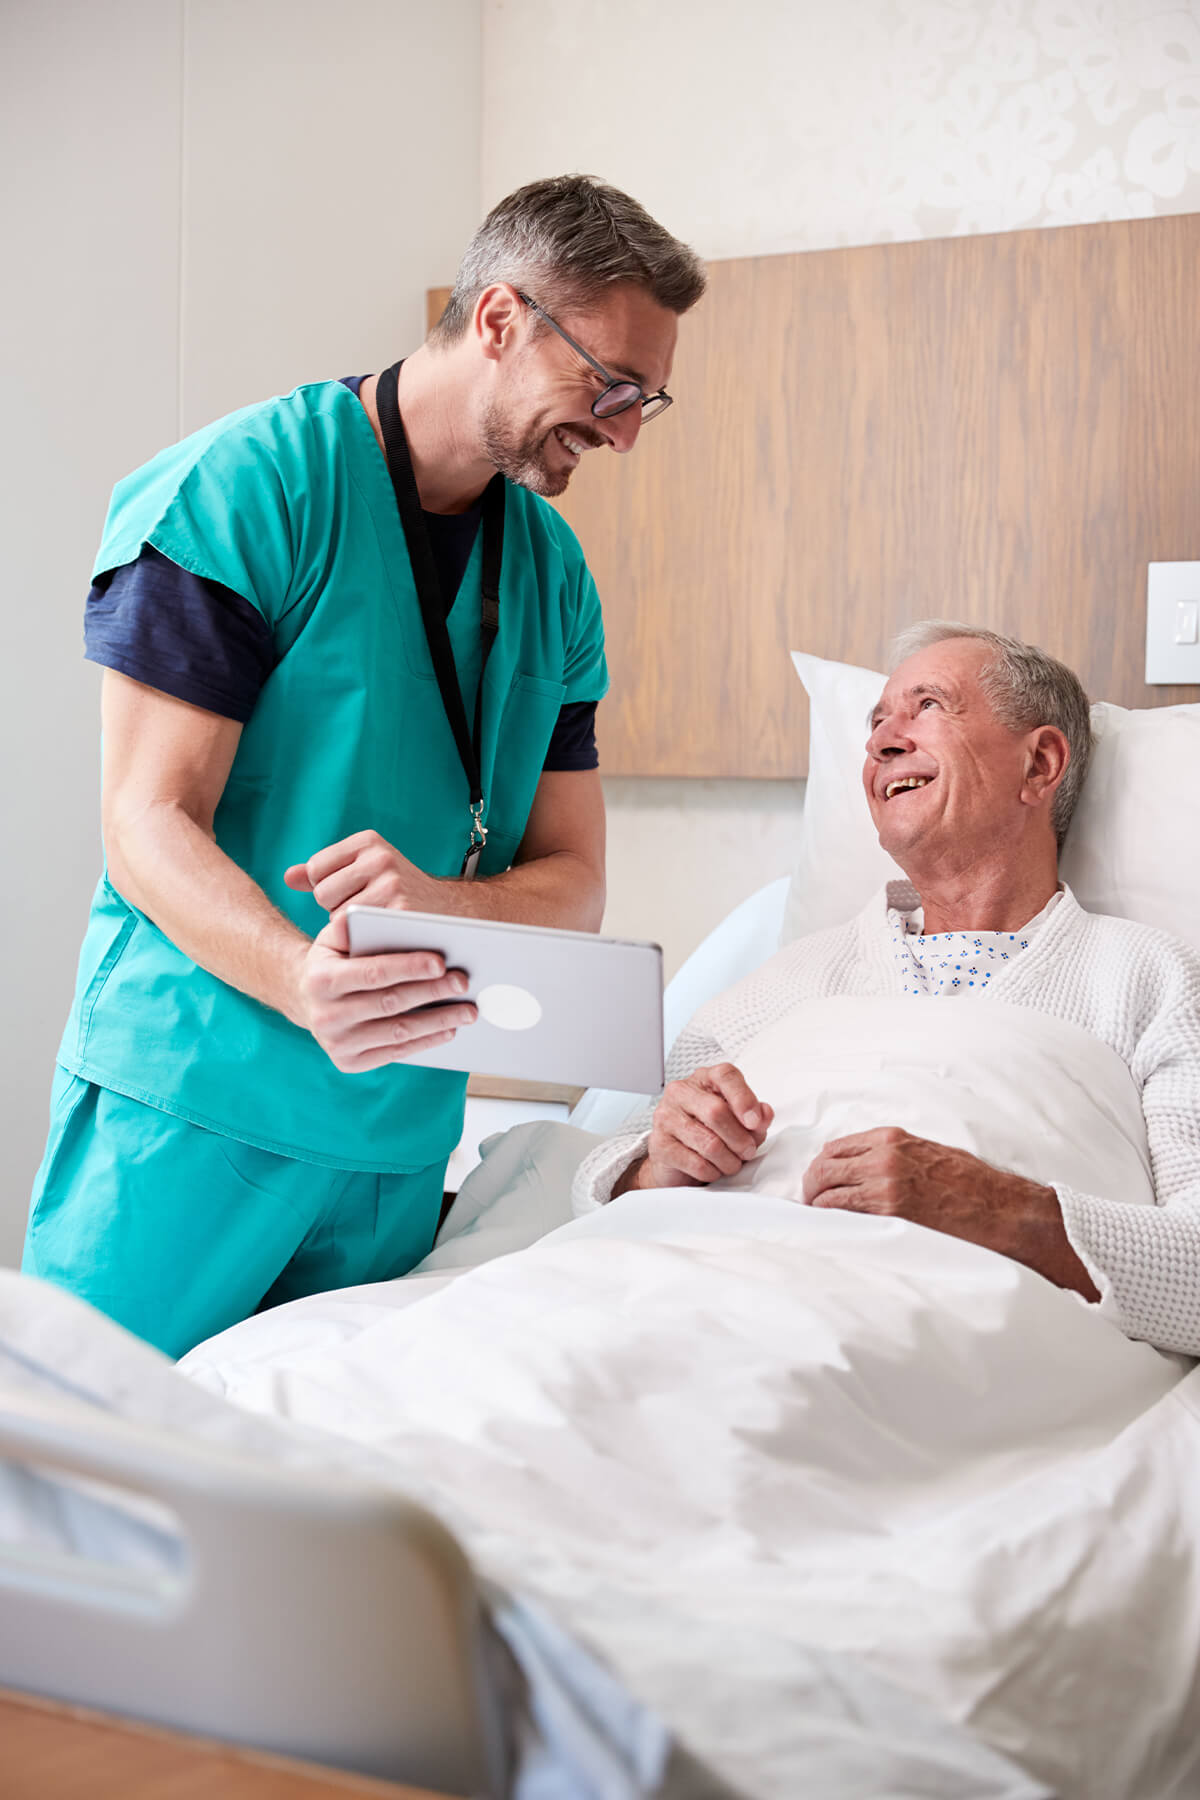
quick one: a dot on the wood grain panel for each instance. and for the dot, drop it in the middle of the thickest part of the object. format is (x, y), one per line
(435, 305)
(58, 1752)
(1000, 429)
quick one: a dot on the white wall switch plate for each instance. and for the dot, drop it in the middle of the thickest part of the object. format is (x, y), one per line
(1173, 624)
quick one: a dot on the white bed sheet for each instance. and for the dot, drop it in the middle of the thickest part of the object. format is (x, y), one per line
(690, 1426)
(584, 1735)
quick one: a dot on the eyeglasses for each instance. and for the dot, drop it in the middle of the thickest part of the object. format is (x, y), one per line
(618, 393)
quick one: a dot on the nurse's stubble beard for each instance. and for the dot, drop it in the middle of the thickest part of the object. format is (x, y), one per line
(525, 459)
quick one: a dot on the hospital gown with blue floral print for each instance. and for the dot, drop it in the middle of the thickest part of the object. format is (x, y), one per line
(952, 962)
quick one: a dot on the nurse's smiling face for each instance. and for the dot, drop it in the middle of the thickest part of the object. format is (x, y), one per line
(946, 781)
(538, 423)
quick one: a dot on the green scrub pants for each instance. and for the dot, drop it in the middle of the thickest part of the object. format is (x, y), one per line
(177, 1232)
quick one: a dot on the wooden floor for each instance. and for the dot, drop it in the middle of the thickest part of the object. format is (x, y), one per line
(52, 1752)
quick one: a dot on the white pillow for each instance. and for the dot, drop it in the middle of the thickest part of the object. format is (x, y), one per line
(518, 1191)
(840, 864)
(1134, 844)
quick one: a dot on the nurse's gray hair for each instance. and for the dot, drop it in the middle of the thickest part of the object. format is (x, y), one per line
(563, 241)
(1025, 688)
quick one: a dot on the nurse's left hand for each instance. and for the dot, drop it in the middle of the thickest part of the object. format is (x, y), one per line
(367, 869)
(889, 1171)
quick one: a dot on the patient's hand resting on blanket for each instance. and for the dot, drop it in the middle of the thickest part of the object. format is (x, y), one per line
(711, 1123)
(705, 1126)
(890, 1171)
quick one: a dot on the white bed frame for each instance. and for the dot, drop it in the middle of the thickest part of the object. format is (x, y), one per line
(317, 1616)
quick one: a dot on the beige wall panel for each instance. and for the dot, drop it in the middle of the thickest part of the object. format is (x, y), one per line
(89, 144)
(331, 170)
(746, 834)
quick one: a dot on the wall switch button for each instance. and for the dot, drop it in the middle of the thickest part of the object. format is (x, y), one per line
(1173, 624)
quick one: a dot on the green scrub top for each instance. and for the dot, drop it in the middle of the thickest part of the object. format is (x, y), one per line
(290, 504)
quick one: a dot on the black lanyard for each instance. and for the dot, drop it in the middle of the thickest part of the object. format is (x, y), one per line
(433, 610)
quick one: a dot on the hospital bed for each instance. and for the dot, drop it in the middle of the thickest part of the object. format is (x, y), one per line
(214, 1573)
(997, 1595)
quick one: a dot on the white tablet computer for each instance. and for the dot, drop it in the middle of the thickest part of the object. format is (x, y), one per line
(561, 1006)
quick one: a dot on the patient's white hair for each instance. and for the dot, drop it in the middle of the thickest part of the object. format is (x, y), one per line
(1026, 688)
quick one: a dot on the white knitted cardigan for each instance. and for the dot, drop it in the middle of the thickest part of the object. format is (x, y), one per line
(1136, 989)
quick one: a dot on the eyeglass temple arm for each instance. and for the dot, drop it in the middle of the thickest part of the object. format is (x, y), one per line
(612, 380)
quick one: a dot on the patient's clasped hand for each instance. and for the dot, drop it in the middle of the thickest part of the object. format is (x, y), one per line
(976, 754)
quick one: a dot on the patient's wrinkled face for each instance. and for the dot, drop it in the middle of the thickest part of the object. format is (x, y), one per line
(943, 775)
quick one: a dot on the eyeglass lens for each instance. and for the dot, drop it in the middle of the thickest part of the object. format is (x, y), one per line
(622, 395)
(617, 398)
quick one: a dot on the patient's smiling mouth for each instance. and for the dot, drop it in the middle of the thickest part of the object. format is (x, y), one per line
(903, 782)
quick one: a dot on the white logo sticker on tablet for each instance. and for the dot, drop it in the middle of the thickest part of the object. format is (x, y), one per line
(511, 1008)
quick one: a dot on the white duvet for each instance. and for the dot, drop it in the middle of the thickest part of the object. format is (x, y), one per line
(1017, 1088)
(717, 1431)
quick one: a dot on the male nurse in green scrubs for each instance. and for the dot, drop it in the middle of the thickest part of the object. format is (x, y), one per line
(350, 654)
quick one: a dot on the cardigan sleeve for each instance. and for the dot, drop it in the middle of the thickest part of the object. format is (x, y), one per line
(600, 1171)
(1145, 1260)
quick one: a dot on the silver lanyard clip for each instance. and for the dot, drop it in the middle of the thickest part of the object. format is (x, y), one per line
(475, 844)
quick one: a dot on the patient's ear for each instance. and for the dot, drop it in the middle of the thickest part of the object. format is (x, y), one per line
(1047, 754)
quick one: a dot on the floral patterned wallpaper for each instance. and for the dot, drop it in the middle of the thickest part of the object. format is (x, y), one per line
(753, 126)
(989, 117)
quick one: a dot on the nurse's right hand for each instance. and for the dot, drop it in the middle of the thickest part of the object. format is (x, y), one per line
(361, 1009)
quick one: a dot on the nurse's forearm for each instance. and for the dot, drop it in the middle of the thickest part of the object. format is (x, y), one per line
(561, 889)
(171, 869)
(166, 764)
(557, 877)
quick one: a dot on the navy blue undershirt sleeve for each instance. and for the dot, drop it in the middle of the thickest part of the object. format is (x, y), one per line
(179, 633)
(573, 743)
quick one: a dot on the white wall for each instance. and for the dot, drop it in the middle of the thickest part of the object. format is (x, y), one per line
(681, 854)
(802, 124)
(204, 201)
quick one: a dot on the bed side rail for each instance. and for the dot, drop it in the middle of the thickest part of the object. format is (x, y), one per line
(312, 1614)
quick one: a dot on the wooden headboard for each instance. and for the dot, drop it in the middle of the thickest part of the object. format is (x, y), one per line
(999, 429)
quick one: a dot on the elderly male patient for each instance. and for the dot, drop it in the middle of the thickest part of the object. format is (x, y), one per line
(977, 752)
